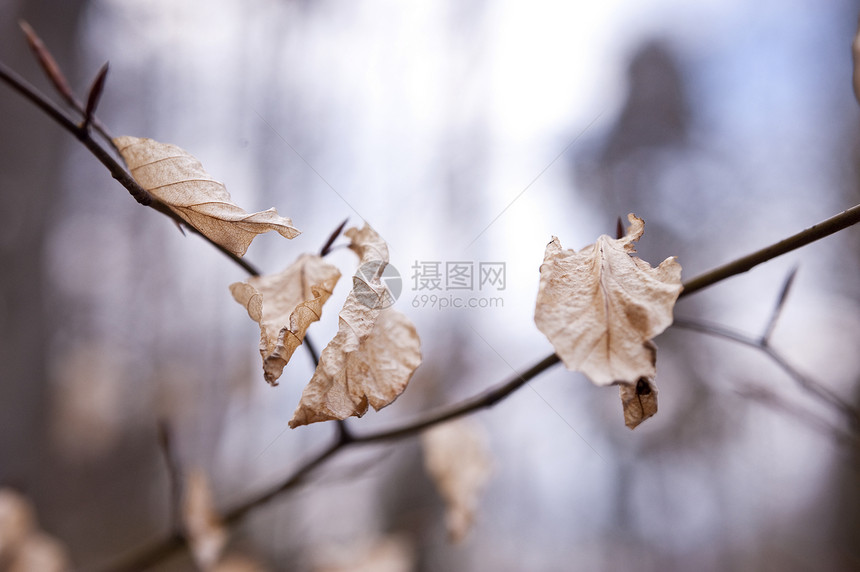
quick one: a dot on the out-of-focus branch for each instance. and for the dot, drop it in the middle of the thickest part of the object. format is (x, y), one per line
(812, 387)
(770, 399)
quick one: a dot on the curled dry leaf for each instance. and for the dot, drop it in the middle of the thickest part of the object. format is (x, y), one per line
(178, 180)
(639, 401)
(375, 351)
(358, 370)
(600, 306)
(203, 528)
(284, 305)
(457, 458)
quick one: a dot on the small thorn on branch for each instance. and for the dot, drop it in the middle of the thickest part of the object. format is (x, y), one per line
(49, 64)
(327, 246)
(619, 229)
(780, 302)
(94, 96)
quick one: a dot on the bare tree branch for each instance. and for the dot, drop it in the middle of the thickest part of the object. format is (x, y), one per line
(174, 542)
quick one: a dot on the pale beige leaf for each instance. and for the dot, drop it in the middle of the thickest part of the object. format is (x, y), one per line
(178, 180)
(639, 401)
(284, 305)
(457, 458)
(40, 553)
(17, 522)
(203, 528)
(375, 351)
(600, 305)
(391, 553)
(237, 563)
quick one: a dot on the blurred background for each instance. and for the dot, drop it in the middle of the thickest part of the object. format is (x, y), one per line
(462, 132)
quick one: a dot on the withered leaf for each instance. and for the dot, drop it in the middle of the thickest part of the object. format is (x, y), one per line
(356, 371)
(204, 530)
(639, 400)
(285, 305)
(599, 306)
(178, 180)
(457, 458)
(375, 351)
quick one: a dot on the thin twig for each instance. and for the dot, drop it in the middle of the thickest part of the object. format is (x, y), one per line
(58, 79)
(770, 399)
(117, 171)
(327, 246)
(94, 97)
(481, 401)
(175, 543)
(816, 232)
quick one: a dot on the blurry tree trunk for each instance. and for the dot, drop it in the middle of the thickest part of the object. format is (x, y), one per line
(30, 154)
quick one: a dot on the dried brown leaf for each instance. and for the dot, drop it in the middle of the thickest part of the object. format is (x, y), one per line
(204, 530)
(285, 305)
(178, 180)
(639, 401)
(355, 372)
(375, 351)
(457, 458)
(600, 306)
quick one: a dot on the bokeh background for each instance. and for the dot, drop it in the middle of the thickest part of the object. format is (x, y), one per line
(462, 131)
